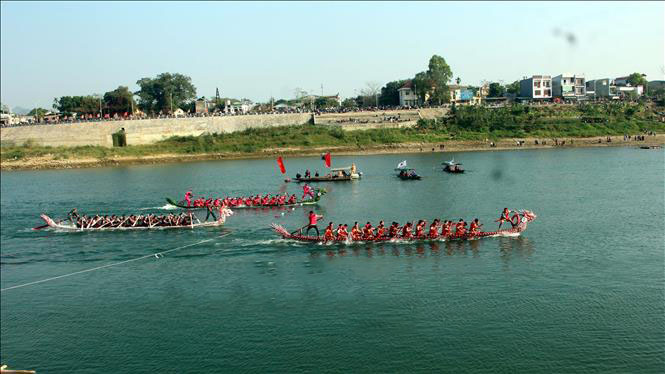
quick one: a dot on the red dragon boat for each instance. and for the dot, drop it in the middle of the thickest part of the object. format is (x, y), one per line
(526, 216)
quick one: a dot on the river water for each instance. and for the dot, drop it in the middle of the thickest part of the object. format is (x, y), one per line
(582, 290)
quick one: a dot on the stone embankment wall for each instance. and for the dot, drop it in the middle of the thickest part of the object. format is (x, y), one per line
(145, 131)
(149, 131)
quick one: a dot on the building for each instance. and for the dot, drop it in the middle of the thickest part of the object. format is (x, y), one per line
(465, 95)
(538, 87)
(624, 87)
(407, 95)
(569, 86)
(201, 106)
(238, 106)
(601, 89)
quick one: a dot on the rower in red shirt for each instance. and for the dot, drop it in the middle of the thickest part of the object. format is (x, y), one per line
(420, 228)
(475, 226)
(445, 229)
(434, 229)
(342, 234)
(505, 216)
(393, 230)
(293, 199)
(460, 228)
(406, 231)
(328, 233)
(265, 200)
(217, 202)
(368, 231)
(356, 234)
(380, 230)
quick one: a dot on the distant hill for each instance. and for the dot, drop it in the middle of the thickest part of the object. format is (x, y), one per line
(20, 110)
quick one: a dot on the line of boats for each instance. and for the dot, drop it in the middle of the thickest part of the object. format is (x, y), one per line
(221, 208)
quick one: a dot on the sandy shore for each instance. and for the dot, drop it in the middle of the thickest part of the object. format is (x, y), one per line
(48, 161)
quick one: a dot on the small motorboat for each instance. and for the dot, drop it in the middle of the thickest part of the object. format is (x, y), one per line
(407, 174)
(452, 167)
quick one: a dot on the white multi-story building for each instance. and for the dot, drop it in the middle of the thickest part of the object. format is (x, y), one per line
(407, 96)
(569, 86)
(538, 87)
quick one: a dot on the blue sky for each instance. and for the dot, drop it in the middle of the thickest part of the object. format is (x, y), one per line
(258, 50)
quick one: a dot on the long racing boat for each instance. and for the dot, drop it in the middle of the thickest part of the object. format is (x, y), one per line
(318, 193)
(526, 216)
(74, 224)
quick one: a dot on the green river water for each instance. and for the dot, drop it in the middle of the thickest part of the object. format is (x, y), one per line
(582, 290)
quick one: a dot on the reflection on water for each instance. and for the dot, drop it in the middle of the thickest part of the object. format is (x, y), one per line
(507, 246)
(520, 246)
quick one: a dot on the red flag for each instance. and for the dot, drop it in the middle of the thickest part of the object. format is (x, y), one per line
(327, 158)
(280, 162)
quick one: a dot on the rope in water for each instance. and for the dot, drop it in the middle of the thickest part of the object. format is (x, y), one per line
(156, 254)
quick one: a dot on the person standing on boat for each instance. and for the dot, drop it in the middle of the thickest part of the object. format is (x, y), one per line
(188, 198)
(313, 219)
(307, 174)
(307, 191)
(505, 216)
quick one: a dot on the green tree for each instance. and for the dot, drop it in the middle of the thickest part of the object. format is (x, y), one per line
(119, 100)
(349, 103)
(496, 90)
(637, 79)
(434, 81)
(389, 93)
(422, 85)
(77, 104)
(325, 102)
(38, 112)
(439, 73)
(513, 88)
(165, 92)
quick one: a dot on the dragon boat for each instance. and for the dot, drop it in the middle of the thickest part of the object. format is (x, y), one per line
(526, 216)
(318, 193)
(71, 225)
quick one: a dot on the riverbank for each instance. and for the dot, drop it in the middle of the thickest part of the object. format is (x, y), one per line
(52, 161)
